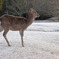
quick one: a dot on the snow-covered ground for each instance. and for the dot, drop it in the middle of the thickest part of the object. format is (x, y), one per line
(41, 42)
(44, 27)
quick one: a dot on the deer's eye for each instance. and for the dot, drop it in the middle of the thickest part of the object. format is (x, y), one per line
(30, 10)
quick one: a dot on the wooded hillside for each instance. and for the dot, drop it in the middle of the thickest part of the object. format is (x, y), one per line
(46, 8)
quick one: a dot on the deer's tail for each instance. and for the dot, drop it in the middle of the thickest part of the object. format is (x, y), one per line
(0, 19)
(1, 29)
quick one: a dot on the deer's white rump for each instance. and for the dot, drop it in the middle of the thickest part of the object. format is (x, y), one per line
(1, 29)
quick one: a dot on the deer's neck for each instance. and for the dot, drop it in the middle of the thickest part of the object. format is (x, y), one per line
(30, 18)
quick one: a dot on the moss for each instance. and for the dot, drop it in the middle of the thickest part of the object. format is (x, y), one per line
(1, 4)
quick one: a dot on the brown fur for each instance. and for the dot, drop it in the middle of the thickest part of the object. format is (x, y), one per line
(10, 22)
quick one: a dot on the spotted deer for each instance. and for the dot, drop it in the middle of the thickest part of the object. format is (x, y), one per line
(16, 23)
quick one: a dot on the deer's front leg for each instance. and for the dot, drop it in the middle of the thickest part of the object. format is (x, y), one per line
(21, 33)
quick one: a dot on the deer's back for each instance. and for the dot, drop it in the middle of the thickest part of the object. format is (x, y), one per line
(14, 22)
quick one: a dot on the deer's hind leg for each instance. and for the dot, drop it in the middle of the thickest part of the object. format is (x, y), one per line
(4, 34)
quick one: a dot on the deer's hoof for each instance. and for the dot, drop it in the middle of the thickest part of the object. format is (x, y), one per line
(22, 45)
(9, 45)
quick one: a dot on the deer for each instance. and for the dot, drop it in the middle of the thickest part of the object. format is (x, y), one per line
(16, 23)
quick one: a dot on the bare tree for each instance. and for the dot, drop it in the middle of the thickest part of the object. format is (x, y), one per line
(17, 7)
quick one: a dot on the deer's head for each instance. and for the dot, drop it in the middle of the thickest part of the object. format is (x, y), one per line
(34, 13)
